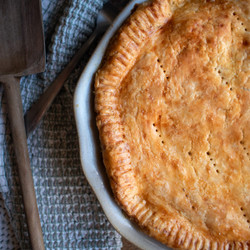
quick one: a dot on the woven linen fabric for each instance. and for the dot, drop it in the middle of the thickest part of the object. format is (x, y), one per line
(7, 236)
(70, 214)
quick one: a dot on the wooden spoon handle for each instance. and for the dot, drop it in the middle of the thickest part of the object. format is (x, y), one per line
(15, 114)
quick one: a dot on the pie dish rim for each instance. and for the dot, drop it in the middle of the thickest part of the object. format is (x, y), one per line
(111, 176)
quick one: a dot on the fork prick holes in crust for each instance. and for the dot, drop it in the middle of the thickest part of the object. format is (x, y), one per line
(211, 159)
(162, 67)
(245, 215)
(156, 130)
(245, 149)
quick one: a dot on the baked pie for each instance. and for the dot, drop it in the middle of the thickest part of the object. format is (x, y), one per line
(172, 98)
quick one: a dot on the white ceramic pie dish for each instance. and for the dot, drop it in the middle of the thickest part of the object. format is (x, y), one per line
(90, 153)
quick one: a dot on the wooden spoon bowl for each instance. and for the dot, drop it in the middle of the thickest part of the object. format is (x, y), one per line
(21, 53)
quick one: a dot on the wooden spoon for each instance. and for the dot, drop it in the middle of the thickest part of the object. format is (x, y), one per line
(21, 53)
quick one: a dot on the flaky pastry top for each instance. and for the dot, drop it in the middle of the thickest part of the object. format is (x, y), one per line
(173, 112)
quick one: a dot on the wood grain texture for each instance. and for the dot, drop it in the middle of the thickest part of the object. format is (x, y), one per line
(22, 52)
(21, 34)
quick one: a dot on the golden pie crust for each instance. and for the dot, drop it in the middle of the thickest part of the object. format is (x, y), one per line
(172, 98)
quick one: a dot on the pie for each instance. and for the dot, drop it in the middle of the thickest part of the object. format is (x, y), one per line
(172, 97)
